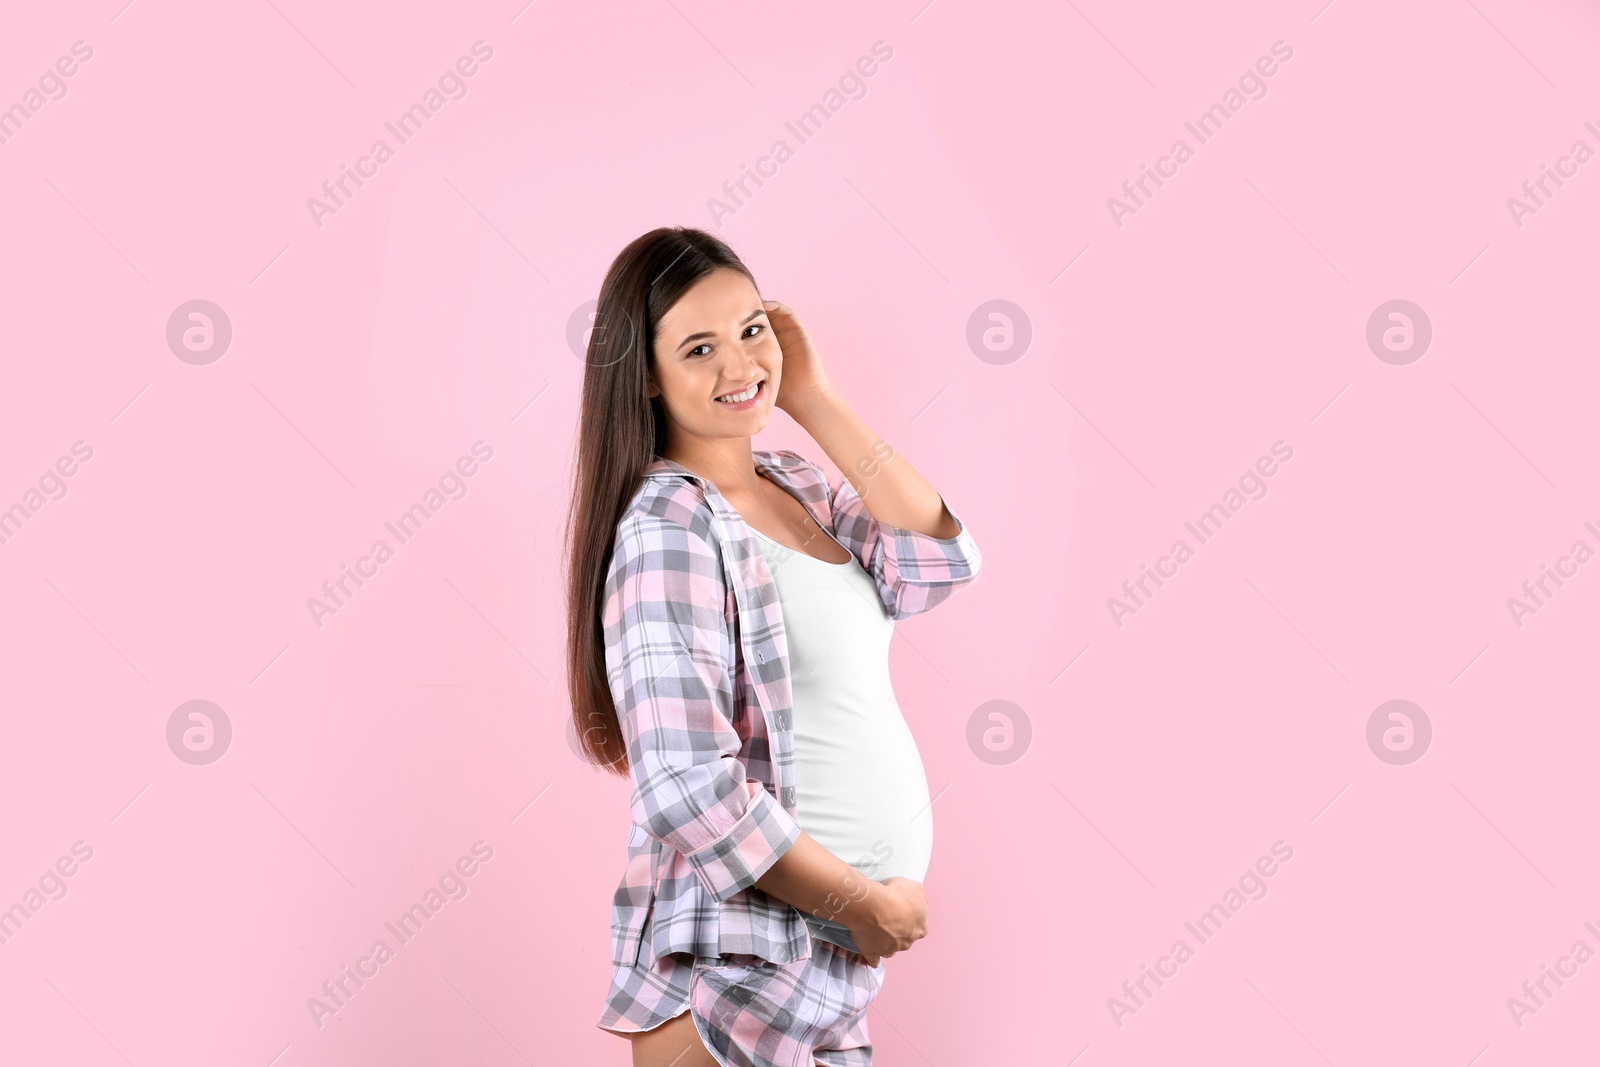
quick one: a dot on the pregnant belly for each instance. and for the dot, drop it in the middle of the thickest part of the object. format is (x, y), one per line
(864, 797)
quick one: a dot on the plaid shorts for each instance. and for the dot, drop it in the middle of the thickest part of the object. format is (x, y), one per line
(751, 1012)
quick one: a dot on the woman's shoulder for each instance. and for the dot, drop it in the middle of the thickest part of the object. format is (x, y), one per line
(675, 501)
(669, 527)
(668, 498)
(784, 459)
(804, 477)
(666, 514)
(802, 474)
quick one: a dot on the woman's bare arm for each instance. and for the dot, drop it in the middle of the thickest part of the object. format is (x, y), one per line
(816, 881)
(883, 917)
(893, 493)
(888, 485)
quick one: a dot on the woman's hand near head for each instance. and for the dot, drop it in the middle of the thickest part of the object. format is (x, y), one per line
(896, 918)
(803, 380)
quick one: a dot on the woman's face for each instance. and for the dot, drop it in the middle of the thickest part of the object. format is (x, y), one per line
(716, 341)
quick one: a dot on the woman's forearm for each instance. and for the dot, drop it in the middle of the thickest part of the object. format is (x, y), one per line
(811, 878)
(893, 492)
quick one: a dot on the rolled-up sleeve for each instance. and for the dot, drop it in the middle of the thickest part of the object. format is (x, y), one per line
(671, 660)
(913, 571)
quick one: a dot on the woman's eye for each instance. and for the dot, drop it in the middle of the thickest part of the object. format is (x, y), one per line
(695, 351)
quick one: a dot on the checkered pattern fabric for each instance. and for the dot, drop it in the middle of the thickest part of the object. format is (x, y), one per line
(697, 662)
(751, 1012)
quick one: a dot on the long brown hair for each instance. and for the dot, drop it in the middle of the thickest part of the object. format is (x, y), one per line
(620, 431)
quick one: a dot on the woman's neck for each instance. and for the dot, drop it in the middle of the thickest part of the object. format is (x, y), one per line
(726, 462)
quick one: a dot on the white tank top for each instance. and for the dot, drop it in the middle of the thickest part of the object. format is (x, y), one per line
(860, 788)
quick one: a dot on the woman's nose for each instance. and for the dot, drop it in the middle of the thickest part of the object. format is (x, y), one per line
(742, 367)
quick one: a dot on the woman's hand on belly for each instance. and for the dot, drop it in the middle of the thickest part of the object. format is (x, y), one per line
(895, 917)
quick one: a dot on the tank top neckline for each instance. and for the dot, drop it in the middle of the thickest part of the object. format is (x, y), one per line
(797, 552)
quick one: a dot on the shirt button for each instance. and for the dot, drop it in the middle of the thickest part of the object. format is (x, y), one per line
(761, 657)
(788, 796)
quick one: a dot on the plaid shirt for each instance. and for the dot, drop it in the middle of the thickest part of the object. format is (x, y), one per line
(698, 667)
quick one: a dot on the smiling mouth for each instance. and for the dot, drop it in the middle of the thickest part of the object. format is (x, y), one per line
(745, 396)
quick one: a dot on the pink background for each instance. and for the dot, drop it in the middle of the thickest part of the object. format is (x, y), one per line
(431, 311)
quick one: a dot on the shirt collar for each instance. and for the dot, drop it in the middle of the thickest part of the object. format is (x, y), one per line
(770, 461)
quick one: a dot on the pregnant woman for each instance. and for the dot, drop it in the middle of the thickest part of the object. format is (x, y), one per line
(729, 653)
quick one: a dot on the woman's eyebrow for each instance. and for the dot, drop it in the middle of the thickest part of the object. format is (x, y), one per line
(704, 334)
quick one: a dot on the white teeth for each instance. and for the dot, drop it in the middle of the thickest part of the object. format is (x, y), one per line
(735, 398)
